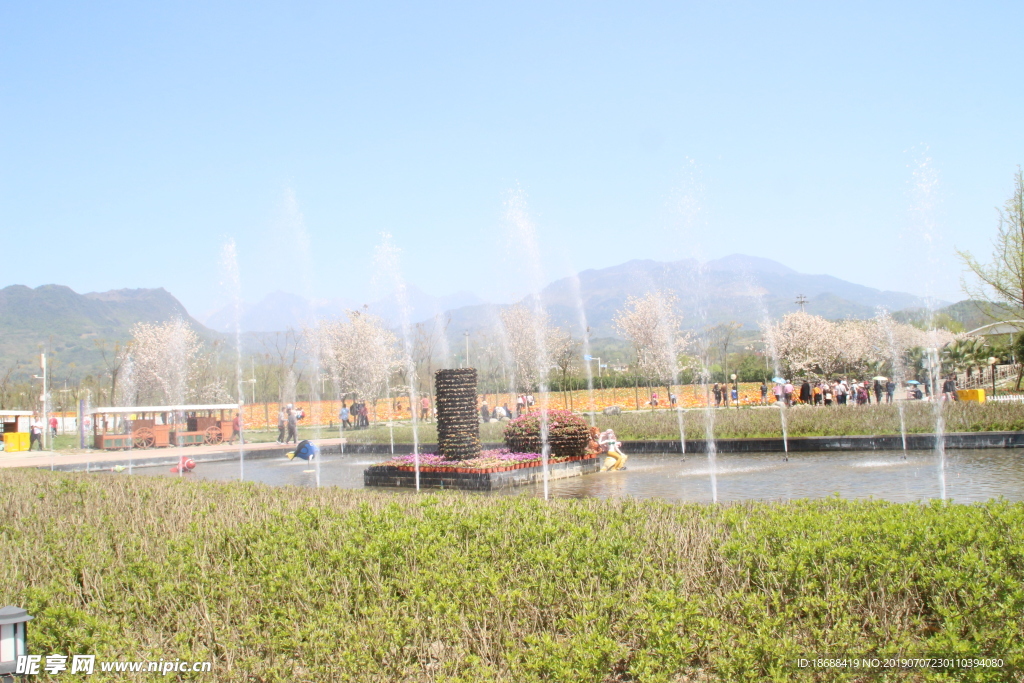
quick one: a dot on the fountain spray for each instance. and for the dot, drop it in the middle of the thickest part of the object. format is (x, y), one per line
(516, 213)
(229, 267)
(387, 260)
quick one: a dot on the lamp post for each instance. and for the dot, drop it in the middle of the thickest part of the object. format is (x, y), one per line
(992, 368)
(12, 638)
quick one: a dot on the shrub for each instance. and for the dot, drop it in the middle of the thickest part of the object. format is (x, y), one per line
(568, 433)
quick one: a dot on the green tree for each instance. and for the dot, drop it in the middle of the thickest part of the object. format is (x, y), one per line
(1001, 282)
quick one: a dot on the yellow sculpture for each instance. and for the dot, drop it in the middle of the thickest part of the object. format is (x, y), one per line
(615, 458)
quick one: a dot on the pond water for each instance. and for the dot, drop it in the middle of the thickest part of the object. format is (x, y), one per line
(971, 475)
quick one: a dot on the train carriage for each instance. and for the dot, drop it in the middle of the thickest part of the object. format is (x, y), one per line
(121, 428)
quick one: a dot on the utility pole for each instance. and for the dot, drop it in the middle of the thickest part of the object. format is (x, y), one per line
(801, 301)
(46, 395)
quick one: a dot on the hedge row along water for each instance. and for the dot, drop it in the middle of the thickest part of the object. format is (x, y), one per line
(289, 584)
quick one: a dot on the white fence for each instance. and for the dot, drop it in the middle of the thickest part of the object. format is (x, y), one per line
(1006, 398)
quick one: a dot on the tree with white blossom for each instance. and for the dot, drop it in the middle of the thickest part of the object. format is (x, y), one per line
(533, 343)
(165, 362)
(358, 352)
(653, 324)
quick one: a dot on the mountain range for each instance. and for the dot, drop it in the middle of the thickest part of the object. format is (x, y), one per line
(70, 324)
(739, 288)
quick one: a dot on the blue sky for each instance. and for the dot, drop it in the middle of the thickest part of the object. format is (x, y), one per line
(135, 138)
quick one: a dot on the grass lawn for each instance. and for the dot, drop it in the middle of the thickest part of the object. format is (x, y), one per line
(293, 584)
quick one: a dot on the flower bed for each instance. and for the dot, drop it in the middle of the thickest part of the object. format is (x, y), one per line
(497, 460)
(568, 433)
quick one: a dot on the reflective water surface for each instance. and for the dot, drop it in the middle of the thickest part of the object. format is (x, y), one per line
(971, 475)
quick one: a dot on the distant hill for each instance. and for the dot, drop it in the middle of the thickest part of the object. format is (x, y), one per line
(970, 314)
(739, 288)
(279, 311)
(69, 323)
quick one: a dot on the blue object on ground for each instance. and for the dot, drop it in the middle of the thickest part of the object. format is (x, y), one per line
(307, 450)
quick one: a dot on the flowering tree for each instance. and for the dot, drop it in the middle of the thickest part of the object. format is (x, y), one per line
(532, 342)
(653, 324)
(359, 353)
(809, 345)
(164, 363)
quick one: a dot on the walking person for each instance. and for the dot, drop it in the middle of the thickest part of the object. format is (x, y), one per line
(343, 416)
(718, 395)
(787, 393)
(520, 402)
(236, 428)
(778, 391)
(35, 437)
(292, 426)
(805, 392)
(890, 388)
(878, 391)
(281, 417)
(53, 425)
(764, 392)
(425, 409)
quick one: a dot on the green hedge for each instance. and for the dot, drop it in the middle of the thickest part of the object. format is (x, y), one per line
(289, 584)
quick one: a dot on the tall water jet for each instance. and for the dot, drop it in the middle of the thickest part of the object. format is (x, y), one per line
(386, 259)
(925, 181)
(516, 214)
(771, 349)
(687, 205)
(233, 283)
(585, 332)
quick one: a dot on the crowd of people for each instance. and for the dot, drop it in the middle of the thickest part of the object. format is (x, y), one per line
(851, 392)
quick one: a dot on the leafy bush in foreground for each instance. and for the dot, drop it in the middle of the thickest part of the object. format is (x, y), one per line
(289, 584)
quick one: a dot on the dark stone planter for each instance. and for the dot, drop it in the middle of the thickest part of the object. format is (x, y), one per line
(390, 476)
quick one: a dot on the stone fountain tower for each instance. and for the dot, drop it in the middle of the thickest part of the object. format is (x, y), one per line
(458, 425)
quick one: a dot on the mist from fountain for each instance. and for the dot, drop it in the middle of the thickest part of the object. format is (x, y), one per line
(387, 261)
(391, 417)
(229, 267)
(516, 214)
(887, 324)
(585, 332)
(668, 361)
(295, 225)
(704, 345)
(688, 202)
(128, 392)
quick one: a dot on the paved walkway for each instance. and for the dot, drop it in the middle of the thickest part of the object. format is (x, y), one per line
(140, 457)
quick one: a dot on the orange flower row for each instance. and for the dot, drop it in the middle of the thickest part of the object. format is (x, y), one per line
(264, 415)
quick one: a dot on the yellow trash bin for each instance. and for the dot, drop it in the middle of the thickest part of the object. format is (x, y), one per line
(16, 441)
(976, 395)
